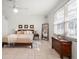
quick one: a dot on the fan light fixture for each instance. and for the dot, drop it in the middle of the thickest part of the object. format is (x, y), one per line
(15, 10)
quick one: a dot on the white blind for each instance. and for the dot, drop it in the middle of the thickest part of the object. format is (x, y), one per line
(59, 16)
(72, 10)
(65, 20)
(72, 19)
(58, 22)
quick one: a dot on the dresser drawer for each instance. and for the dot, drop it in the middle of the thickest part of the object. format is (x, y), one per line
(66, 49)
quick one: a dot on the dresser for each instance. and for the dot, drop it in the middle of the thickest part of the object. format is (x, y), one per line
(62, 46)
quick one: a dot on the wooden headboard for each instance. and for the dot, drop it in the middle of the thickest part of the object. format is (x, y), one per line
(23, 30)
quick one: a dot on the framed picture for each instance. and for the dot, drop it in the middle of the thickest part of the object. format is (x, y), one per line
(20, 26)
(25, 26)
(31, 26)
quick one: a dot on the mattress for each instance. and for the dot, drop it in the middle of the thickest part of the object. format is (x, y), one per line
(13, 37)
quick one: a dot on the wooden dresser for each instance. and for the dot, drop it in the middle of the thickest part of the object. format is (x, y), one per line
(62, 46)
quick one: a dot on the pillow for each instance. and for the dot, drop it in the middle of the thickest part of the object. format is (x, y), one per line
(29, 32)
(25, 32)
(20, 32)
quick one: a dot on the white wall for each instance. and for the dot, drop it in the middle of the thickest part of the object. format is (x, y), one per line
(24, 16)
(50, 21)
(4, 26)
(37, 21)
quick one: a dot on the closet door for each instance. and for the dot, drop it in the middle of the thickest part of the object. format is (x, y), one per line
(45, 31)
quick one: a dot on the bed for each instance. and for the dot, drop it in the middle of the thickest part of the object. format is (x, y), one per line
(21, 38)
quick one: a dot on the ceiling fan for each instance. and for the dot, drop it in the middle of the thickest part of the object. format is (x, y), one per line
(15, 8)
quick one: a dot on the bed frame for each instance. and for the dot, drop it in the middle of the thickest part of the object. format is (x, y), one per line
(19, 42)
(25, 30)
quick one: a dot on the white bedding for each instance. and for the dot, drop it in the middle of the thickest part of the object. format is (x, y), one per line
(13, 37)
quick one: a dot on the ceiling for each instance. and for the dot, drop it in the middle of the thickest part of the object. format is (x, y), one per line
(33, 7)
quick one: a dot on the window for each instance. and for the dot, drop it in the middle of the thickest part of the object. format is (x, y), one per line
(65, 20)
(58, 22)
(59, 16)
(72, 19)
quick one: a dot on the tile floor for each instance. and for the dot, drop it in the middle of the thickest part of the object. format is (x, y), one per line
(41, 50)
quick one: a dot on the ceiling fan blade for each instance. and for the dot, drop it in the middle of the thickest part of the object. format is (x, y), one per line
(20, 7)
(15, 6)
